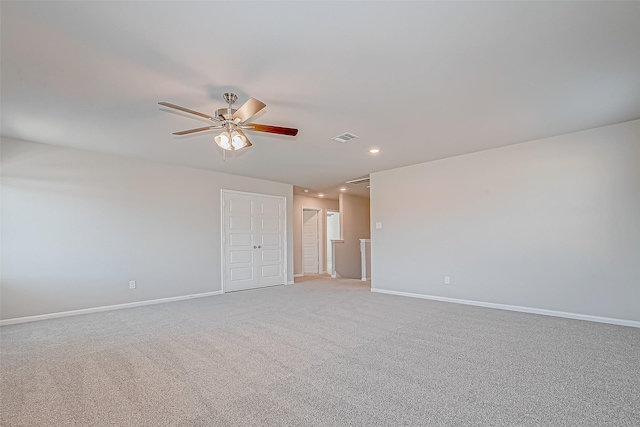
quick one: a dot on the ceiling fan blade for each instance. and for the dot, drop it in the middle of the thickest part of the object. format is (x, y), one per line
(186, 110)
(272, 129)
(248, 144)
(248, 109)
(186, 132)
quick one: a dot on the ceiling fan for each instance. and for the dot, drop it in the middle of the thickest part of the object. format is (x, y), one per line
(233, 123)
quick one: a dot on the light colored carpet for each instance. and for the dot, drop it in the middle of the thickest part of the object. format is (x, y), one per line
(319, 353)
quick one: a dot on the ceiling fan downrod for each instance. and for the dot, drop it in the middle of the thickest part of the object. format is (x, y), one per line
(230, 98)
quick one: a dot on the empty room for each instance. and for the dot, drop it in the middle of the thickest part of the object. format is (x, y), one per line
(319, 213)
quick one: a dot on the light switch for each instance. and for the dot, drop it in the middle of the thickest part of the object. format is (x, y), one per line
(378, 225)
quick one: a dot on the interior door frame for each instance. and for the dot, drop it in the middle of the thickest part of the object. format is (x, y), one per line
(326, 212)
(320, 237)
(223, 266)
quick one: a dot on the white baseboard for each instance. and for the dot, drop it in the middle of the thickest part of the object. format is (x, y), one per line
(103, 308)
(290, 283)
(298, 275)
(577, 316)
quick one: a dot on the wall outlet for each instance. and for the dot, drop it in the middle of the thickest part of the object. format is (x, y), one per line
(132, 284)
(447, 280)
(378, 225)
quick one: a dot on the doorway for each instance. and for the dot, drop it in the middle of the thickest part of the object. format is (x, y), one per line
(254, 244)
(333, 233)
(311, 247)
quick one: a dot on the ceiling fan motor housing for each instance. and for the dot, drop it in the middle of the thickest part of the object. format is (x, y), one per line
(223, 113)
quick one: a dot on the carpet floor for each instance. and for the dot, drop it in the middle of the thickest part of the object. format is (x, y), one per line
(319, 353)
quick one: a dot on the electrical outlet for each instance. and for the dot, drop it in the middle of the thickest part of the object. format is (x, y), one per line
(132, 284)
(447, 280)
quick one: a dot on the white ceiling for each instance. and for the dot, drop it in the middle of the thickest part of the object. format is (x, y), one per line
(421, 81)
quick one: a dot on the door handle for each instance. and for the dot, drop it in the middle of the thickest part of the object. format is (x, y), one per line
(259, 246)
(255, 247)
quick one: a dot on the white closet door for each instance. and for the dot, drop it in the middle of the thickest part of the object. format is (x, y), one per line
(240, 256)
(253, 241)
(310, 243)
(270, 238)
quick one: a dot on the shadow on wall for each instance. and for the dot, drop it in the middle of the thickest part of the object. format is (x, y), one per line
(354, 225)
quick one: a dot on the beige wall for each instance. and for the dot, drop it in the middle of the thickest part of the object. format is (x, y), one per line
(354, 224)
(551, 224)
(78, 225)
(300, 202)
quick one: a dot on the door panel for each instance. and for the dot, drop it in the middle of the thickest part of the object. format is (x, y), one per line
(238, 239)
(271, 240)
(269, 271)
(271, 255)
(240, 205)
(271, 224)
(240, 223)
(270, 207)
(241, 274)
(239, 257)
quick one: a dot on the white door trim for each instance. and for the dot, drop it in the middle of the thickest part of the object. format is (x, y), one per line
(320, 238)
(222, 236)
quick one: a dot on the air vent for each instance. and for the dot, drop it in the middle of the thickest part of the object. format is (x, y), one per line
(364, 180)
(345, 137)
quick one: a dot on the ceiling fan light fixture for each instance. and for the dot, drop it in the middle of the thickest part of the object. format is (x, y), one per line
(238, 141)
(224, 140)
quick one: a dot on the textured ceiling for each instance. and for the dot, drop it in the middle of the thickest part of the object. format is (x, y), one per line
(421, 80)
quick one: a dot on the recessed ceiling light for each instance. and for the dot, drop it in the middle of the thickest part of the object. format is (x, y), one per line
(343, 189)
(320, 195)
(306, 190)
(374, 150)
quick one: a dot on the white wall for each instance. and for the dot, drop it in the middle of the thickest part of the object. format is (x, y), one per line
(551, 224)
(78, 225)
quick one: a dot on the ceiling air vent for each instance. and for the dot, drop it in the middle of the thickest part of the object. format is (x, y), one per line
(345, 137)
(364, 180)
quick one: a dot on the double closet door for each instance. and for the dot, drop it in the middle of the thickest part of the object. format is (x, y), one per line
(253, 241)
